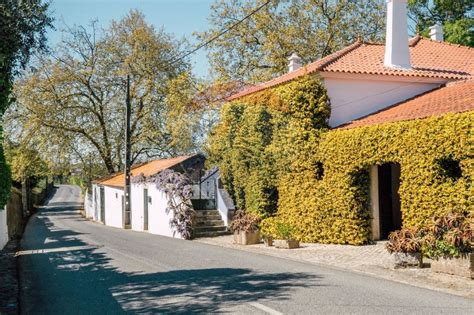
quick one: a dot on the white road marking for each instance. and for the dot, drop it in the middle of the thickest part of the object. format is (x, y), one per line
(264, 308)
(54, 250)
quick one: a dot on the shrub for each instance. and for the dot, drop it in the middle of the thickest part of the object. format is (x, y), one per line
(5, 181)
(404, 241)
(448, 236)
(246, 222)
(284, 231)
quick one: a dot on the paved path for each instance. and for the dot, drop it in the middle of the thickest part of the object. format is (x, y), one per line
(72, 266)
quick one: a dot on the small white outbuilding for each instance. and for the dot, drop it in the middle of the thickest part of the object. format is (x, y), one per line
(148, 204)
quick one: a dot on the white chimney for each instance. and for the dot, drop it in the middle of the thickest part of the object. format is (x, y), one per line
(295, 62)
(397, 54)
(436, 32)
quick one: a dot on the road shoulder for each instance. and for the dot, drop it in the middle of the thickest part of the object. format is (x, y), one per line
(368, 260)
(9, 288)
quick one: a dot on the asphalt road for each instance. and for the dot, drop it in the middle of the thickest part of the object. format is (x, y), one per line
(69, 265)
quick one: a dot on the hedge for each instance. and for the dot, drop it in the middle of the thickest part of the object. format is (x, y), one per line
(5, 181)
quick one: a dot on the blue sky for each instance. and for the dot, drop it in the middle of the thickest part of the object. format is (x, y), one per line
(180, 17)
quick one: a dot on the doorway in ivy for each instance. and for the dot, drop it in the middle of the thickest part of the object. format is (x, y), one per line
(389, 199)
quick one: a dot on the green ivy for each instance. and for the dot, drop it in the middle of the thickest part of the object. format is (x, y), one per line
(258, 137)
(278, 160)
(5, 181)
(335, 208)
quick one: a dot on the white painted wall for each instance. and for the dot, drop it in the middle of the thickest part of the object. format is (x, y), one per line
(113, 206)
(3, 228)
(97, 214)
(89, 205)
(224, 205)
(138, 207)
(158, 219)
(355, 96)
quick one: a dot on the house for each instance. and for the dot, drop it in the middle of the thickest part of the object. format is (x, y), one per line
(148, 205)
(359, 82)
(402, 112)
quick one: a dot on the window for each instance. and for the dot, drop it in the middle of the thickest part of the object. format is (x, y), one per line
(318, 170)
(449, 168)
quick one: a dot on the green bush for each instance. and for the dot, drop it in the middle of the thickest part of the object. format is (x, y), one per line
(5, 181)
(448, 236)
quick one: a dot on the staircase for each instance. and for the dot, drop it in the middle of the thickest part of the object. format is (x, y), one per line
(208, 223)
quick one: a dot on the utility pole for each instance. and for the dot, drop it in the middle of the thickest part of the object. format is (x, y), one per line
(126, 208)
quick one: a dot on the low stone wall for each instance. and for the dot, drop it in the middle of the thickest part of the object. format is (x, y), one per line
(462, 266)
(15, 220)
(3, 228)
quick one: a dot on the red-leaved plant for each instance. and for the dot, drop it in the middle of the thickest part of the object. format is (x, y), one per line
(405, 240)
(246, 222)
(448, 236)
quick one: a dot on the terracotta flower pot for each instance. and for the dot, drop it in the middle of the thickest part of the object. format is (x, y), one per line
(288, 244)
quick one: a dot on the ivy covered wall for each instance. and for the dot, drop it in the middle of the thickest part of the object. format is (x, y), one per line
(264, 136)
(278, 160)
(335, 208)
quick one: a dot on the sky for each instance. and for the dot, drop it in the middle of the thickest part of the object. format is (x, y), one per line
(180, 17)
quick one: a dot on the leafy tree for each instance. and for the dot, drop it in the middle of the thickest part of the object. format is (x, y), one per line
(22, 31)
(25, 162)
(259, 47)
(456, 16)
(74, 100)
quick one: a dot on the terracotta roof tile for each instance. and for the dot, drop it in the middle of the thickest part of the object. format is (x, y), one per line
(429, 59)
(454, 98)
(310, 68)
(148, 169)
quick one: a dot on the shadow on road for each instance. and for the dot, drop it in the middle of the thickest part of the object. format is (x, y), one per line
(85, 281)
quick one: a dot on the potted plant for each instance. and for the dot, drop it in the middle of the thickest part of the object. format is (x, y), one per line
(245, 228)
(405, 247)
(447, 241)
(284, 236)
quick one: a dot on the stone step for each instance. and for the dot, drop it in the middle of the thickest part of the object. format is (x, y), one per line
(206, 212)
(209, 223)
(210, 217)
(210, 234)
(207, 228)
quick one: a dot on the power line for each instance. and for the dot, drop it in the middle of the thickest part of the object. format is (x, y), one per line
(173, 61)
